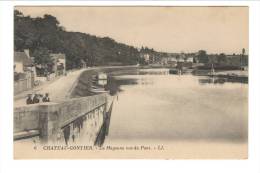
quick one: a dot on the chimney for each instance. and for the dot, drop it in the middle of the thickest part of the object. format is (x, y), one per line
(26, 51)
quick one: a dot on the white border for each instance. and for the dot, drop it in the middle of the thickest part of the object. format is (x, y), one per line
(7, 164)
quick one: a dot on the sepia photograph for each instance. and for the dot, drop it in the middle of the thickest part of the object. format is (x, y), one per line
(130, 82)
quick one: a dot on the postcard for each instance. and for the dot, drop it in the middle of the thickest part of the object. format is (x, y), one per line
(131, 82)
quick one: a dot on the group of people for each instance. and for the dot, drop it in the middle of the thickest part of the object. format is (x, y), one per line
(36, 98)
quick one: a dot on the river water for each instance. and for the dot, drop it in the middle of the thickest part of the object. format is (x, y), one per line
(154, 107)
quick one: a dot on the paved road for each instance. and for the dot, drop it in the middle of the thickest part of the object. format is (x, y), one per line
(57, 89)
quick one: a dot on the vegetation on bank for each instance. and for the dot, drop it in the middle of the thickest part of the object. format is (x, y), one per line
(45, 35)
(222, 61)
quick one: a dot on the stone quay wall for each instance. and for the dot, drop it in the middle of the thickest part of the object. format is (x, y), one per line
(50, 118)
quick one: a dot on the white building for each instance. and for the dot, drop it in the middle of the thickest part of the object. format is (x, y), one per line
(189, 59)
(146, 57)
(59, 60)
(22, 62)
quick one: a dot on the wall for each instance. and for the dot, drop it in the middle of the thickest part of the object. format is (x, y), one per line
(50, 118)
(24, 84)
(18, 67)
(26, 118)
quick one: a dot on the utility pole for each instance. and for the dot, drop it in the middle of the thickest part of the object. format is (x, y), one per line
(242, 56)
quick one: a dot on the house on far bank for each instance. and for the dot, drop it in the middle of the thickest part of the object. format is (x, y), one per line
(170, 61)
(59, 67)
(146, 57)
(189, 59)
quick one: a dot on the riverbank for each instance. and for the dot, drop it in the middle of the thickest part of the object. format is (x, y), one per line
(84, 83)
(240, 76)
(74, 84)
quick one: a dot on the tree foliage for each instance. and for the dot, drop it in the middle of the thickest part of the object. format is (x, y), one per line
(222, 58)
(42, 56)
(202, 56)
(44, 35)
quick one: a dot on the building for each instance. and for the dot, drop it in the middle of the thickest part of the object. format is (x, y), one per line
(24, 72)
(59, 67)
(22, 62)
(172, 61)
(146, 57)
(189, 59)
(83, 63)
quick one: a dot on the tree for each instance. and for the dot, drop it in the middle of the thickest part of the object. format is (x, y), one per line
(243, 51)
(222, 58)
(203, 57)
(42, 56)
(17, 14)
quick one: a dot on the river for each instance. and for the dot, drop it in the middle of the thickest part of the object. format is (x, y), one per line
(185, 113)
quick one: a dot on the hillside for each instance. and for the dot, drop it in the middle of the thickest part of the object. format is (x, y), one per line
(44, 35)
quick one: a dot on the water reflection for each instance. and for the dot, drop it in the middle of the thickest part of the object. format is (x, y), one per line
(222, 80)
(153, 71)
(145, 77)
(172, 107)
(210, 80)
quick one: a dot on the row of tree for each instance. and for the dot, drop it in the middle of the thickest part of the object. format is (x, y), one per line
(221, 59)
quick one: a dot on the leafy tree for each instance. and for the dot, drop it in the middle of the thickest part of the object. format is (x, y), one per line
(43, 34)
(243, 51)
(203, 57)
(42, 56)
(222, 58)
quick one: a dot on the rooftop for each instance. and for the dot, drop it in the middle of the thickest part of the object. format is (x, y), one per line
(22, 57)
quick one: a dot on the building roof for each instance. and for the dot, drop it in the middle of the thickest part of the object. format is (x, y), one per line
(23, 58)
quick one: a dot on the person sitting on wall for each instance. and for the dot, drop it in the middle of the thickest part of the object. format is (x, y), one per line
(35, 99)
(29, 100)
(46, 98)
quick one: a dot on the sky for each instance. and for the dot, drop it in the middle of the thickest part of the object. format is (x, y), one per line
(168, 29)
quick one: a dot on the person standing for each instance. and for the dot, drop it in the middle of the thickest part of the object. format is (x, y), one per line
(46, 98)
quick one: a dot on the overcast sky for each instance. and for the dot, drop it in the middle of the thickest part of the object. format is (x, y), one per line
(170, 29)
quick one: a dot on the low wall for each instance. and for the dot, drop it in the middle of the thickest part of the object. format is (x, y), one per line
(23, 85)
(50, 118)
(26, 118)
(83, 85)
